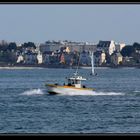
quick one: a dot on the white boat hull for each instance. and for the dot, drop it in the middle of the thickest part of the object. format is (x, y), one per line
(65, 90)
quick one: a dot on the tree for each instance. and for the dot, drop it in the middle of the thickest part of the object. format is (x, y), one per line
(127, 51)
(12, 46)
(3, 47)
(136, 46)
(29, 45)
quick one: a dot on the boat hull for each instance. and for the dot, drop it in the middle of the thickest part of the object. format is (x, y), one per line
(66, 90)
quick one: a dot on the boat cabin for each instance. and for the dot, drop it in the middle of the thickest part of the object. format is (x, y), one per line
(76, 81)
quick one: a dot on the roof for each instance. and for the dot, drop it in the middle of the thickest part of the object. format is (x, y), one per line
(80, 78)
(103, 44)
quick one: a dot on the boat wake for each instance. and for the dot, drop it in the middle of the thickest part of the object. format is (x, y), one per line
(33, 92)
(93, 93)
(136, 91)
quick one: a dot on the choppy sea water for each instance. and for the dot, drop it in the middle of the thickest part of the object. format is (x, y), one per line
(26, 107)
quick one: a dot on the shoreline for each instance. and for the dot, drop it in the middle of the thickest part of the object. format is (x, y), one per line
(60, 67)
(15, 67)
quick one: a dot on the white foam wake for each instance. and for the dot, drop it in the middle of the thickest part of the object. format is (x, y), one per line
(33, 92)
(92, 93)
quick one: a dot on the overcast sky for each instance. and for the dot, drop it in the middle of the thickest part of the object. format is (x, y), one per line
(90, 22)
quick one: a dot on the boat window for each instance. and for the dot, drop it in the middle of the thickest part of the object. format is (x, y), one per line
(72, 81)
(77, 82)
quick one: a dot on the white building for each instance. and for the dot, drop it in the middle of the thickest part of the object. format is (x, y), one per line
(116, 58)
(102, 58)
(20, 59)
(107, 46)
(111, 47)
(57, 45)
(119, 46)
(40, 58)
(51, 46)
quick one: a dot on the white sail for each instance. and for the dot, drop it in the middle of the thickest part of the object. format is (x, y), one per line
(92, 64)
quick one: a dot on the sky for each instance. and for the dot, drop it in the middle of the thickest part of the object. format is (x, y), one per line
(84, 22)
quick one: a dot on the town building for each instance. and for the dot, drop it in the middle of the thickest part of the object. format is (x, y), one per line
(107, 46)
(119, 46)
(99, 57)
(39, 58)
(30, 58)
(20, 59)
(116, 58)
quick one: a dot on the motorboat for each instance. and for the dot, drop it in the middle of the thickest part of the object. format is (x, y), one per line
(74, 85)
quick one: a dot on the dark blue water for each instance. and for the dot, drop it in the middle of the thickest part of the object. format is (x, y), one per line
(26, 107)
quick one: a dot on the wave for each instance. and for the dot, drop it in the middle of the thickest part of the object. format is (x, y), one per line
(33, 92)
(136, 91)
(93, 93)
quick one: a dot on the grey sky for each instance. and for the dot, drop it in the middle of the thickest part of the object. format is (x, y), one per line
(90, 22)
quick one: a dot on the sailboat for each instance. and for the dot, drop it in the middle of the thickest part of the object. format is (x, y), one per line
(92, 64)
(74, 85)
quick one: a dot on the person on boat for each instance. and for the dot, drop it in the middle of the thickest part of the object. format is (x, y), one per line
(84, 86)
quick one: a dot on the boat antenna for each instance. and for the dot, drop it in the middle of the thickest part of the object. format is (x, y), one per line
(77, 66)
